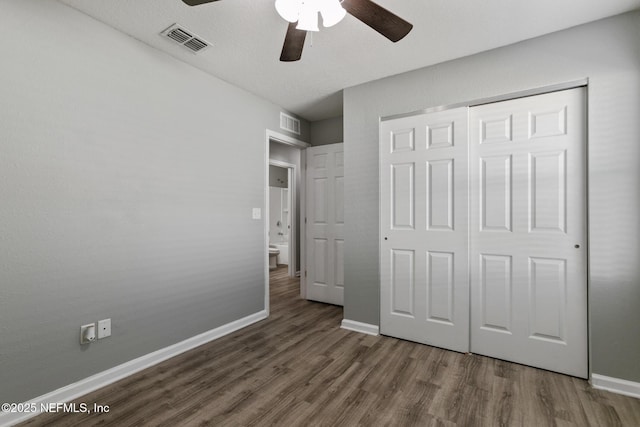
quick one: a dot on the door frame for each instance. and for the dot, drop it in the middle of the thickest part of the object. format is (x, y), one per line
(506, 97)
(281, 138)
(291, 176)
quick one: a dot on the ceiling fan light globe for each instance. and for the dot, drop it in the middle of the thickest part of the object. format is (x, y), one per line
(289, 10)
(332, 12)
(308, 19)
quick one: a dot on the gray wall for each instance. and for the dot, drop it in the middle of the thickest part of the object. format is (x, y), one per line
(305, 128)
(608, 54)
(286, 153)
(127, 181)
(328, 131)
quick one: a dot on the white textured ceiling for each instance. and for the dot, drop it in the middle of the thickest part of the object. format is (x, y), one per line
(247, 36)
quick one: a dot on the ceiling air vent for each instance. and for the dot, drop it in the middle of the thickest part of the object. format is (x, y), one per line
(185, 38)
(289, 123)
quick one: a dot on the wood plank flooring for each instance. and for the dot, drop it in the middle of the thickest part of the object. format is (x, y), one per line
(298, 368)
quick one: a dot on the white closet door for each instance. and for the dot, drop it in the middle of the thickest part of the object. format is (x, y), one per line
(528, 231)
(325, 223)
(424, 229)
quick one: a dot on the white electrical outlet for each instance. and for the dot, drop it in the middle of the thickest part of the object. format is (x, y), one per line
(257, 213)
(87, 333)
(104, 328)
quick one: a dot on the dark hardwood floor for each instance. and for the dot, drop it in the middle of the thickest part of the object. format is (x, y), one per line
(298, 368)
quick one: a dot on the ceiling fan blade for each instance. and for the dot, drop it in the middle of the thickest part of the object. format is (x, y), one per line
(380, 19)
(197, 2)
(293, 43)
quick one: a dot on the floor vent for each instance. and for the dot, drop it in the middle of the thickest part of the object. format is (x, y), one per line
(185, 38)
(289, 123)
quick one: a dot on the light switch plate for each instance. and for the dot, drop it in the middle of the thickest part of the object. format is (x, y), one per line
(104, 328)
(257, 213)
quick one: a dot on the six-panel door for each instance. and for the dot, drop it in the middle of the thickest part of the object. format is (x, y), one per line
(325, 223)
(424, 293)
(528, 231)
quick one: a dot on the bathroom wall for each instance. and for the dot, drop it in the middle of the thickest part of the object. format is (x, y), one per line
(278, 206)
(279, 215)
(278, 177)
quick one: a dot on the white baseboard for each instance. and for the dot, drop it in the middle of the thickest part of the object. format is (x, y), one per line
(616, 385)
(104, 378)
(364, 328)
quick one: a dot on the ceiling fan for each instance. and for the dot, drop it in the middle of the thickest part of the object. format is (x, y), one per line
(380, 19)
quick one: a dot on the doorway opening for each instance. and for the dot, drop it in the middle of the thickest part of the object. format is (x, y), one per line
(284, 197)
(282, 216)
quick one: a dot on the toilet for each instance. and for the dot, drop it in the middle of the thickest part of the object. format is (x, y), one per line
(273, 257)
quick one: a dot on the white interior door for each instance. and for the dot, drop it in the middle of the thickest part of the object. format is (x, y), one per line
(424, 229)
(325, 224)
(528, 231)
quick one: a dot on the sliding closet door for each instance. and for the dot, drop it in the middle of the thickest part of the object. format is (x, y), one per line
(423, 229)
(528, 231)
